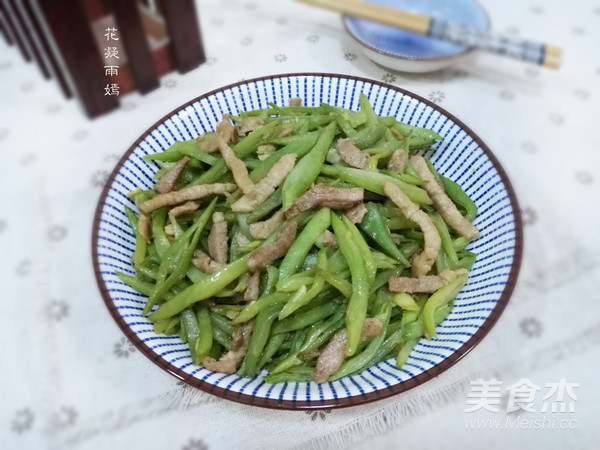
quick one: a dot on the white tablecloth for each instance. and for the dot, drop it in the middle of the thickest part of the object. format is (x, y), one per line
(71, 380)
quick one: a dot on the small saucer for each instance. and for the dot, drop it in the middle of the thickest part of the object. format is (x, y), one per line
(410, 52)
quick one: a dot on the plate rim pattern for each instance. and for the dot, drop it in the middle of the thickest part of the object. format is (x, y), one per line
(380, 394)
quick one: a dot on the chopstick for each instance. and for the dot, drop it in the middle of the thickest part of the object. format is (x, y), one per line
(542, 54)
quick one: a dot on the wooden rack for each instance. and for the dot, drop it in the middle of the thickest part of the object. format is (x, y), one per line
(66, 40)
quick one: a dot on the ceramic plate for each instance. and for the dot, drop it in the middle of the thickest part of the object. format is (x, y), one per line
(461, 156)
(410, 52)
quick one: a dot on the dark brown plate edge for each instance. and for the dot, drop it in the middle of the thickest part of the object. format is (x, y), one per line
(333, 403)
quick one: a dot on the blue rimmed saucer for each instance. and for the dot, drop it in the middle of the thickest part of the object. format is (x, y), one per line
(409, 52)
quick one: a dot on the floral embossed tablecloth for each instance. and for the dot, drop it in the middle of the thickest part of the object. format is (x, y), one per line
(69, 378)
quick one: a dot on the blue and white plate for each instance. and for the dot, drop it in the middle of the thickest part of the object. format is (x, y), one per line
(410, 52)
(461, 156)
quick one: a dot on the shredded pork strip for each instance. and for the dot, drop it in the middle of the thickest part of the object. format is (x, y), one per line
(217, 238)
(232, 359)
(397, 134)
(205, 263)
(397, 162)
(169, 232)
(268, 253)
(285, 130)
(351, 154)
(266, 186)
(261, 230)
(424, 284)
(208, 143)
(241, 239)
(184, 195)
(169, 180)
(247, 125)
(225, 129)
(357, 213)
(183, 209)
(422, 264)
(145, 226)
(253, 288)
(332, 356)
(329, 239)
(442, 203)
(371, 327)
(326, 196)
(295, 101)
(237, 166)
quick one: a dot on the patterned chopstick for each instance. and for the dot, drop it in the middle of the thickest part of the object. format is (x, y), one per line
(533, 52)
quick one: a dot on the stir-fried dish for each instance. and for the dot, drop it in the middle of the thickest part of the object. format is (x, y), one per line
(312, 242)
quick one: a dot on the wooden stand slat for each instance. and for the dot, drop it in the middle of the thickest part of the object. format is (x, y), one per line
(182, 24)
(65, 38)
(46, 50)
(28, 37)
(136, 45)
(72, 33)
(13, 31)
(4, 31)
(95, 9)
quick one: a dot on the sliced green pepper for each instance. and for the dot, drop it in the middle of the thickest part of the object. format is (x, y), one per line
(373, 181)
(307, 169)
(357, 305)
(439, 298)
(374, 226)
(304, 242)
